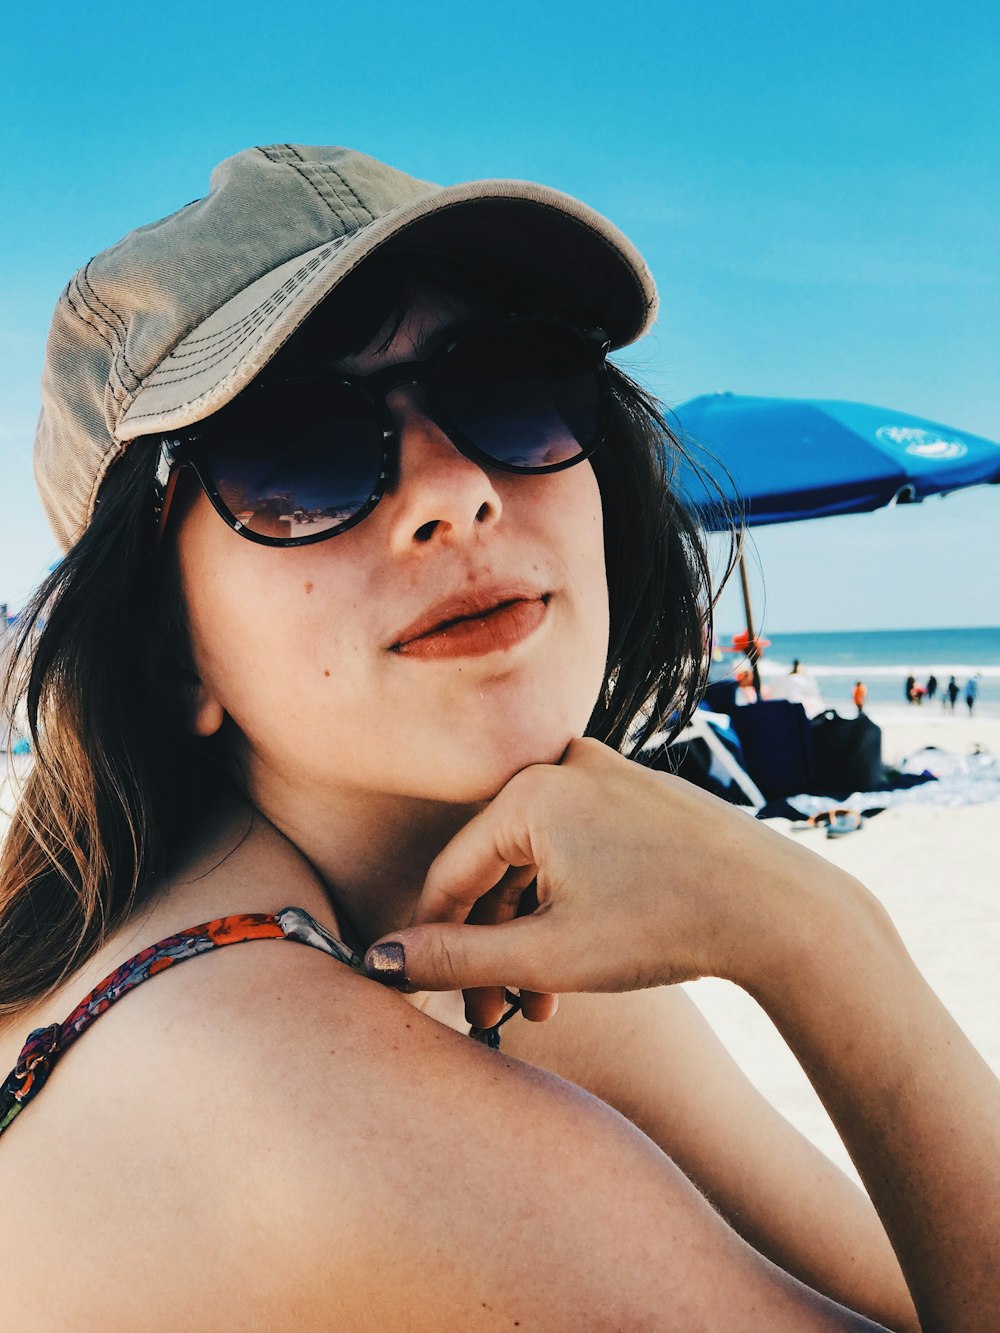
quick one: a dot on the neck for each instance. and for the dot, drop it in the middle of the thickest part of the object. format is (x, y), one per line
(372, 851)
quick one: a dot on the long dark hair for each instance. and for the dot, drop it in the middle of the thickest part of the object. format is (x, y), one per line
(101, 659)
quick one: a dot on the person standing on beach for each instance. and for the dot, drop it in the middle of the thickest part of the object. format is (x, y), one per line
(952, 692)
(932, 684)
(799, 687)
(971, 692)
(908, 688)
(860, 696)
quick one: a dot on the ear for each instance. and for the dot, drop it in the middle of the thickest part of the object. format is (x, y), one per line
(205, 714)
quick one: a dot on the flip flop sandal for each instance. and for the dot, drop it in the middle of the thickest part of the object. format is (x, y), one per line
(843, 821)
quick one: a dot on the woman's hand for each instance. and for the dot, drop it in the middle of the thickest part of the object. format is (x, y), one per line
(641, 880)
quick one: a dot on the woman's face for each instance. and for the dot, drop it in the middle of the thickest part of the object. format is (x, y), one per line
(454, 636)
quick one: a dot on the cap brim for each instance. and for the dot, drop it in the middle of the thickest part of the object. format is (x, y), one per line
(543, 234)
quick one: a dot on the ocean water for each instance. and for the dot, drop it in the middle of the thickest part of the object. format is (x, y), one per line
(884, 658)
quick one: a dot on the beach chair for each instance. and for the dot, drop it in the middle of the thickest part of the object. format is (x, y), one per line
(705, 726)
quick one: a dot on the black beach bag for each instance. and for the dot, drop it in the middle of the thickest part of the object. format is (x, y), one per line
(848, 753)
(777, 746)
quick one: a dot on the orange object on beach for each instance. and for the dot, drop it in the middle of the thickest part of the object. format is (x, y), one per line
(741, 642)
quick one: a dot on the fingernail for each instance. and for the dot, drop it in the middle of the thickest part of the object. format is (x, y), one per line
(387, 963)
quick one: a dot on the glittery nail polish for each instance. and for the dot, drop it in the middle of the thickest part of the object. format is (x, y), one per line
(387, 963)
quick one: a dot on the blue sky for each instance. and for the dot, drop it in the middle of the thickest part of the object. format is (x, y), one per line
(814, 186)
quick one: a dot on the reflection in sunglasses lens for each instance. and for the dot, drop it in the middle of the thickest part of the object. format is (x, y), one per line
(306, 460)
(526, 395)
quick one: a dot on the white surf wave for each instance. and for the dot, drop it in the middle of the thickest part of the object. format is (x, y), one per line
(770, 667)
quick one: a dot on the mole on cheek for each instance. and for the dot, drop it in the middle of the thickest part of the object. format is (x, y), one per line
(309, 588)
(326, 673)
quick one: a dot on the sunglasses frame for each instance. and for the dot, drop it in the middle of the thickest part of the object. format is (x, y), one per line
(178, 451)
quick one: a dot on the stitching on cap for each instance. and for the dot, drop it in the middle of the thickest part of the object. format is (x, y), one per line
(351, 190)
(333, 183)
(89, 319)
(274, 152)
(216, 346)
(119, 336)
(246, 326)
(85, 275)
(286, 155)
(97, 321)
(194, 344)
(345, 199)
(119, 392)
(263, 322)
(204, 344)
(316, 174)
(222, 350)
(108, 335)
(219, 355)
(261, 329)
(209, 339)
(92, 321)
(340, 205)
(294, 161)
(288, 285)
(262, 326)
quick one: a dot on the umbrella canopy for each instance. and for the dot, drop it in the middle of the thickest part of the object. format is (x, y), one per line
(791, 459)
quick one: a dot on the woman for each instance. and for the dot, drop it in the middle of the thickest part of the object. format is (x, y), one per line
(363, 536)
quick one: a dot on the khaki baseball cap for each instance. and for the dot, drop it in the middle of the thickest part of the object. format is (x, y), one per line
(167, 326)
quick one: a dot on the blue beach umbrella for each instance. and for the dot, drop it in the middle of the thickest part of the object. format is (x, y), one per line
(791, 459)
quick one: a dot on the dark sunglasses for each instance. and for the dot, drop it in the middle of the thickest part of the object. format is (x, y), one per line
(298, 460)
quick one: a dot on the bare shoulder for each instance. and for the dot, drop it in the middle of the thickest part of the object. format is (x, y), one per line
(271, 1134)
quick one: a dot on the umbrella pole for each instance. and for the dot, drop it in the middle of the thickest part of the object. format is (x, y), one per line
(752, 652)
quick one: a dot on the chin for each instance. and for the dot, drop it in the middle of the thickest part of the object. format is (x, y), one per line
(518, 730)
(483, 768)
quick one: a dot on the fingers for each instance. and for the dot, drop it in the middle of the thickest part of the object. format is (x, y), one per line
(453, 957)
(592, 832)
(538, 1006)
(479, 859)
(486, 1006)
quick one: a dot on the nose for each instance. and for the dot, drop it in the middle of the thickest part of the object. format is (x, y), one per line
(440, 495)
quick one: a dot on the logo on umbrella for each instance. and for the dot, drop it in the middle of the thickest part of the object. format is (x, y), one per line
(922, 443)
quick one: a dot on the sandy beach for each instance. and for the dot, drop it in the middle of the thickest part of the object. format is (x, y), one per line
(935, 870)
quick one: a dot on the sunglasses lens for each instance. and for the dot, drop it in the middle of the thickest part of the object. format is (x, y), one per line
(295, 459)
(300, 459)
(527, 393)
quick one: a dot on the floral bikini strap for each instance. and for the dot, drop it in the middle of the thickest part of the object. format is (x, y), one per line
(45, 1046)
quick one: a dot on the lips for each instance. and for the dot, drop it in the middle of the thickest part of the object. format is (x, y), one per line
(473, 623)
